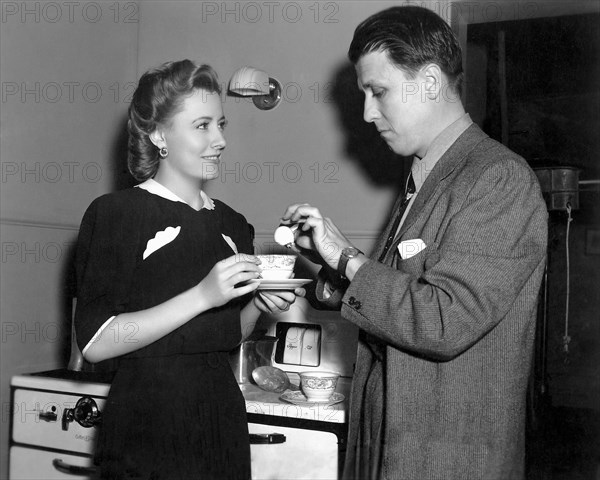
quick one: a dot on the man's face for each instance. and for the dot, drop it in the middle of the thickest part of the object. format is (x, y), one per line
(395, 103)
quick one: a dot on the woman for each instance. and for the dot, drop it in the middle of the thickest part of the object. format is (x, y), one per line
(167, 282)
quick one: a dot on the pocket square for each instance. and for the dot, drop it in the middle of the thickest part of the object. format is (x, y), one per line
(161, 239)
(409, 248)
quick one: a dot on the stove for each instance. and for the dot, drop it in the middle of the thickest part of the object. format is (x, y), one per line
(54, 423)
(56, 414)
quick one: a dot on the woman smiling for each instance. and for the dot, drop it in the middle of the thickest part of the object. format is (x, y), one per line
(166, 282)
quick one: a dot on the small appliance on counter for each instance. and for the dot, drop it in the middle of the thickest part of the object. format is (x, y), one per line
(256, 351)
(311, 339)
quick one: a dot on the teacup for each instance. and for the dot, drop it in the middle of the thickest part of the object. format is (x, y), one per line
(318, 386)
(277, 267)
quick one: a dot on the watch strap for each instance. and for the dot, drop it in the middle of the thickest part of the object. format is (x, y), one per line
(347, 254)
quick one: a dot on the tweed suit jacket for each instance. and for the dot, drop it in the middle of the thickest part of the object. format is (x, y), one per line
(456, 321)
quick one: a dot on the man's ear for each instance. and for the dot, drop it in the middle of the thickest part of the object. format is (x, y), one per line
(433, 81)
(158, 139)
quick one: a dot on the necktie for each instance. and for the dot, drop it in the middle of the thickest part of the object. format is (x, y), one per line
(377, 346)
(408, 193)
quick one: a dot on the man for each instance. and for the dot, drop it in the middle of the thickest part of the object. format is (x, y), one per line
(447, 308)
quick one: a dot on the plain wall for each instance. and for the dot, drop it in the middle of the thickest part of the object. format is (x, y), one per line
(66, 68)
(314, 147)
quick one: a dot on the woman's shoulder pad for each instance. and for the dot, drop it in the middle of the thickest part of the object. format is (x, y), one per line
(226, 210)
(120, 198)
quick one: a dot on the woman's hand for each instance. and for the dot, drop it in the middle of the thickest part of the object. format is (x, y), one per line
(277, 301)
(318, 235)
(227, 279)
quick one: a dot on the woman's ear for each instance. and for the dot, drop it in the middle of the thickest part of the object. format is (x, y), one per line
(158, 139)
(433, 81)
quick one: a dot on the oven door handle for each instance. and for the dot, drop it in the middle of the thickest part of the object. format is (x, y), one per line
(64, 467)
(266, 438)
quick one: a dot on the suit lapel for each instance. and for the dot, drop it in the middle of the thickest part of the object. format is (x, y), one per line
(455, 156)
(450, 160)
(379, 246)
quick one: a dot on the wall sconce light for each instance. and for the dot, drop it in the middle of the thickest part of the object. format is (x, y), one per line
(264, 90)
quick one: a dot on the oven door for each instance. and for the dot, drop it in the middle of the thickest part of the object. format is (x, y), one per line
(36, 464)
(298, 453)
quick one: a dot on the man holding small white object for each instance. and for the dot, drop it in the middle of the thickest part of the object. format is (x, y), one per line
(446, 305)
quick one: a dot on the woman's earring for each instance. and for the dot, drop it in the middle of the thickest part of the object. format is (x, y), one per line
(163, 152)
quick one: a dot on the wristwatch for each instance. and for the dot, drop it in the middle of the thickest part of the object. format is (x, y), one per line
(347, 254)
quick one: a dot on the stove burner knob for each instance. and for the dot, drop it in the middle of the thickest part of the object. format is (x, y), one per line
(85, 413)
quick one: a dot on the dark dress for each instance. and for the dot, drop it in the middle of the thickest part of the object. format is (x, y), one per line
(174, 410)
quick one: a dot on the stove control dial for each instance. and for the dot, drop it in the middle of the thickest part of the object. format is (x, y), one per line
(85, 413)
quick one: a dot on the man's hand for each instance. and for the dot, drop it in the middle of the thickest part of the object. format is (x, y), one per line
(318, 235)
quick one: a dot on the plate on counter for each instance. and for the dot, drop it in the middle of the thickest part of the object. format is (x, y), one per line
(282, 284)
(298, 398)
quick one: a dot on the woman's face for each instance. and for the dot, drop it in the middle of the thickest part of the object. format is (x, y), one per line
(194, 138)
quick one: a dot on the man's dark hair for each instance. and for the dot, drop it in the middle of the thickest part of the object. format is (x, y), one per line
(412, 37)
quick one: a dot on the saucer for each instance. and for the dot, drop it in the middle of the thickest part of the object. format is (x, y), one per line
(298, 398)
(282, 284)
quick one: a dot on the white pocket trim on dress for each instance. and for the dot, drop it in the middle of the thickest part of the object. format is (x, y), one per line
(161, 239)
(230, 242)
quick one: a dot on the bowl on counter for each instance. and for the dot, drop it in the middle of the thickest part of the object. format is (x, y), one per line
(318, 386)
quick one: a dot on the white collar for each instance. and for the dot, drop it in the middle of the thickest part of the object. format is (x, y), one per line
(152, 186)
(421, 168)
